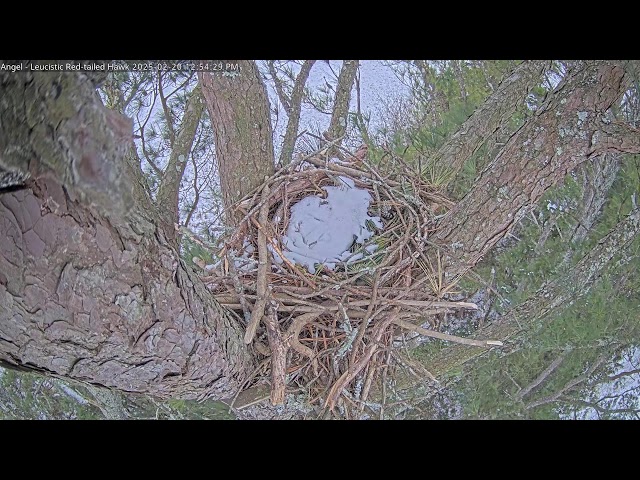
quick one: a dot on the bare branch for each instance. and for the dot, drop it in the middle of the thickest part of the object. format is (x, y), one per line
(552, 296)
(540, 378)
(167, 198)
(278, 357)
(446, 336)
(168, 117)
(196, 191)
(264, 266)
(284, 99)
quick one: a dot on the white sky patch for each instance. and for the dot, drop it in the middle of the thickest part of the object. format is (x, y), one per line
(377, 82)
(322, 230)
(73, 394)
(619, 395)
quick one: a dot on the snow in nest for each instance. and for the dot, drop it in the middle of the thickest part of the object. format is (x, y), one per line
(322, 230)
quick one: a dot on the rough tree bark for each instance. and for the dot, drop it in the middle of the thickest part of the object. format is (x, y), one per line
(91, 286)
(295, 105)
(239, 110)
(571, 127)
(346, 78)
(487, 119)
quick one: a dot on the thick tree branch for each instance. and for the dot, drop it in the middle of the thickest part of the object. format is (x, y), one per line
(549, 298)
(55, 124)
(167, 198)
(239, 110)
(564, 133)
(294, 113)
(338, 124)
(491, 115)
(168, 116)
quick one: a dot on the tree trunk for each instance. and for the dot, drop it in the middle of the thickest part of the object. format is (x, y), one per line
(91, 286)
(487, 119)
(239, 110)
(167, 198)
(291, 134)
(338, 123)
(568, 129)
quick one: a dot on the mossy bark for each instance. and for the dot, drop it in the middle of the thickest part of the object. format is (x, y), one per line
(239, 110)
(91, 283)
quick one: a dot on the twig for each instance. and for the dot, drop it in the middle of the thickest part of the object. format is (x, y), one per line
(294, 331)
(278, 357)
(363, 326)
(263, 269)
(349, 375)
(446, 336)
(239, 289)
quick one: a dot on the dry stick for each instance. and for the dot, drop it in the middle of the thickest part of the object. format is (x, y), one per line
(365, 323)
(413, 367)
(277, 175)
(246, 382)
(263, 269)
(294, 331)
(446, 336)
(349, 375)
(368, 381)
(384, 384)
(238, 288)
(568, 386)
(416, 303)
(281, 255)
(278, 357)
(288, 302)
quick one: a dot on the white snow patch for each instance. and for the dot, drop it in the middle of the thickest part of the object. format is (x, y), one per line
(323, 230)
(371, 248)
(73, 394)
(552, 206)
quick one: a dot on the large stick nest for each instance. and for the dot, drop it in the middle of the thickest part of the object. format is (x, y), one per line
(330, 335)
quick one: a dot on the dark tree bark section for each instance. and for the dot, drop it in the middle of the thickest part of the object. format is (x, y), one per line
(91, 287)
(239, 109)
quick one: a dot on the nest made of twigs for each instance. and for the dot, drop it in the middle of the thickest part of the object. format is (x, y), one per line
(330, 334)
